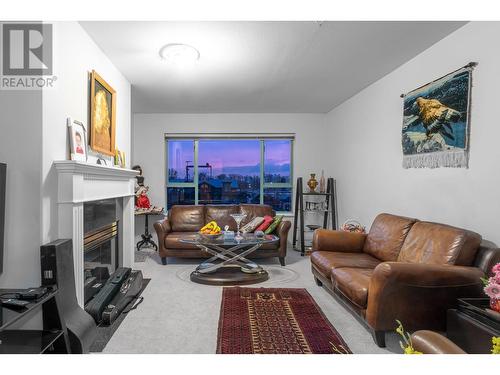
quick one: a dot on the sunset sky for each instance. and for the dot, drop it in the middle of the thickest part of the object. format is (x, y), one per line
(232, 156)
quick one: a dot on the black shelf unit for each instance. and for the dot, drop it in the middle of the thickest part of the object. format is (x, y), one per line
(28, 341)
(52, 338)
(329, 213)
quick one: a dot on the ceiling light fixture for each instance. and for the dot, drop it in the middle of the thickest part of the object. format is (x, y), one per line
(179, 53)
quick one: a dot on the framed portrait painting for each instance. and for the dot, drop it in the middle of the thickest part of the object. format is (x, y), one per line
(77, 140)
(102, 115)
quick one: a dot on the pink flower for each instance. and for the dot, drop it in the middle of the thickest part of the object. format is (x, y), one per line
(493, 290)
(495, 279)
(496, 268)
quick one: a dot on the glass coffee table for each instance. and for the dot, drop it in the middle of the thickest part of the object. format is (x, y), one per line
(228, 264)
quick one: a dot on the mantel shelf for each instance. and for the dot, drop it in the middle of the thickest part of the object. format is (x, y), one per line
(78, 167)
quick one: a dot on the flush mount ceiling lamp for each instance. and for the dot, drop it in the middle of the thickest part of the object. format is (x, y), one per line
(179, 54)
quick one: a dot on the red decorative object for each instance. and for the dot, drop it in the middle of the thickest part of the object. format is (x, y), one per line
(267, 221)
(143, 201)
(275, 321)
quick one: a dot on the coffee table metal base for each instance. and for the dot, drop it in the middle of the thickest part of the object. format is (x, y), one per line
(228, 264)
(229, 275)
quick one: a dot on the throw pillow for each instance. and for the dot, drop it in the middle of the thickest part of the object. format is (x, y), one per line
(250, 227)
(274, 224)
(267, 221)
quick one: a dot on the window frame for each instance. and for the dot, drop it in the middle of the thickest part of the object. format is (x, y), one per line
(223, 136)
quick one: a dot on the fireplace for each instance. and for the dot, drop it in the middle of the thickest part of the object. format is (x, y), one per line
(100, 244)
(96, 210)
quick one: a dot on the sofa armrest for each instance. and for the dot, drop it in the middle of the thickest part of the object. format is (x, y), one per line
(418, 294)
(430, 342)
(162, 228)
(338, 241)
(282, 232)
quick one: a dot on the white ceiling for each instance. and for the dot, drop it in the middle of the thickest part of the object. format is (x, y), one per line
(260, 66)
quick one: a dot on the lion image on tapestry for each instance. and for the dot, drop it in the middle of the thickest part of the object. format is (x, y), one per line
(436, 122)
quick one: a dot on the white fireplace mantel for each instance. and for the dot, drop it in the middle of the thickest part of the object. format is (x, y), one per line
(79, 182)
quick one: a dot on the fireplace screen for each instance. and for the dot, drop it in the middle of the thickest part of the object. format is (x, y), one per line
(100, 257)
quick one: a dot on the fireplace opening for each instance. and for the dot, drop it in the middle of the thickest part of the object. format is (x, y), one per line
(100, 245)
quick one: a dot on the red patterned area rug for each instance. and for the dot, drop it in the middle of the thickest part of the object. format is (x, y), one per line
(275, 321)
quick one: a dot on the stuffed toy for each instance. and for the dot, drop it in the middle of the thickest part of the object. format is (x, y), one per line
(141, 198)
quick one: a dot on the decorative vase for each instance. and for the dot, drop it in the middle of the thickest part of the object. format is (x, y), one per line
(312, 183)
(322, 182)
(495, 304)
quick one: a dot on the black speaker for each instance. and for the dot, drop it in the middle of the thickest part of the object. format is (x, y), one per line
(58, 270)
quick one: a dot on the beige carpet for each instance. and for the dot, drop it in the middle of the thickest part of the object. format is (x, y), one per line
(178, 316)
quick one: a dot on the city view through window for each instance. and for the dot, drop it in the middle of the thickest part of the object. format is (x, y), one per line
(229, 171)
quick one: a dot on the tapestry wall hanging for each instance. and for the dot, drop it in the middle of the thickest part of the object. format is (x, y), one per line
(436, 122)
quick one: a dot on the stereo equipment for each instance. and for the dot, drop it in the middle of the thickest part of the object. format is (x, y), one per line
(32, 293)
(57, 269)
(14, 303)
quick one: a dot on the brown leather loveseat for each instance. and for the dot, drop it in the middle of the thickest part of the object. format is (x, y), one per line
(430, 342)
(187, 220)
(402, 269)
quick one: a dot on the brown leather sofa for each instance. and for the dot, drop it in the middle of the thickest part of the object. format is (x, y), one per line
(430, 342)
(402, 269)
(186, 220)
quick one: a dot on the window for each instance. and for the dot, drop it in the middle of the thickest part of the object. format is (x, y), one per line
(211, 170)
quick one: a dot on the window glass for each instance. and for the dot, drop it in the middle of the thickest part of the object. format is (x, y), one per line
(277, 161)
(280, 199)
(183, 195)
(228, 171)
(180, 160)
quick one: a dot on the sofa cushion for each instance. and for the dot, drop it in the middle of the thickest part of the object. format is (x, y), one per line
(254, 210)
(387, 235)
(434, 243)
(172, 240)
(187, 218)
(267, 222)
(250, 227)
(221, 214)
(325, 261)
(353, 283)
(274, 225)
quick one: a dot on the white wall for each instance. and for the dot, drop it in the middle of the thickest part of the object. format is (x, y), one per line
(149, 142)
(34, 134)
(365, 135)
(20, 148)
(75, 55)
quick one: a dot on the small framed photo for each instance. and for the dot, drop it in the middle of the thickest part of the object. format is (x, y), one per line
(77, 140)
